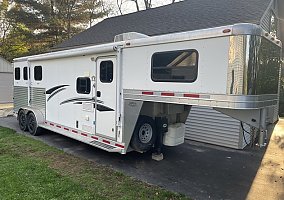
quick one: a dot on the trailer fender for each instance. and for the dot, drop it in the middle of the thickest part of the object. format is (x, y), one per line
(131, 113)
(38, 114)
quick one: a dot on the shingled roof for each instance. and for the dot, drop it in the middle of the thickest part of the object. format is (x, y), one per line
(182, 16)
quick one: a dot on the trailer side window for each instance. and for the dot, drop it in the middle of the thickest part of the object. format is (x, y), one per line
(38, 73)
(83, 85)
(17, 73)
(175, 66)
(25, 73)
(106, 71)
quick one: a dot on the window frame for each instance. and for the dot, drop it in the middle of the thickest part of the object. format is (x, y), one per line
(35, 73)
(89, 89)
(175, 80)
(112, 71)
(15, 75)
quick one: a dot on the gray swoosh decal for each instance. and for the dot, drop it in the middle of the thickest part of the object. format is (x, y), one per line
(91, 100)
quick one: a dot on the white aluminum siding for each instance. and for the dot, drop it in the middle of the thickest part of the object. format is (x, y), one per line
(5, 66)
(6, 87)
(209, 126)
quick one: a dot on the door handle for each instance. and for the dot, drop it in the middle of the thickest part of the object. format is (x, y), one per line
(99, 93)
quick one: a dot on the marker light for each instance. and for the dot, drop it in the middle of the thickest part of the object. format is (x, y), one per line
(227, 30)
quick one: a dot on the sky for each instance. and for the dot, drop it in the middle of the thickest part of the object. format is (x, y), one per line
(129, 6)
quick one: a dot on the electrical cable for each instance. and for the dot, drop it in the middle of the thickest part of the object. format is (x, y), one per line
(244, 131)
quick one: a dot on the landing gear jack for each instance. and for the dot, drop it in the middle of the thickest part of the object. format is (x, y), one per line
(162, 128)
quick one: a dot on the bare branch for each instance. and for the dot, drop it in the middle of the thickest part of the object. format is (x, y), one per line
(136, 4)
(119, 5)
(148, 4)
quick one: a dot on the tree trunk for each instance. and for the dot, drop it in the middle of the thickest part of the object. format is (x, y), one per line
(137, 5)
(148, 4)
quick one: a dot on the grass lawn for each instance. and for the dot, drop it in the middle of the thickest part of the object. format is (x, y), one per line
(30, 169)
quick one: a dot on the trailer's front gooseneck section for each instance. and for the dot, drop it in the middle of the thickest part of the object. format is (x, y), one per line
(252, 84)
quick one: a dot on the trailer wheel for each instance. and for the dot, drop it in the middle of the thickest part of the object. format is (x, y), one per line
(32, 124)
(144, 135)
(22, 120)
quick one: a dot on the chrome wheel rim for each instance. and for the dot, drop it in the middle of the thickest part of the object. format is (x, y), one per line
(145, 133)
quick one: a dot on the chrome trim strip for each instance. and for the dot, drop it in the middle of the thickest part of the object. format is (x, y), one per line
(218, 101)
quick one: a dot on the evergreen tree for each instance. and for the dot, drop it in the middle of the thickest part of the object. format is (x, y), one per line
(44, 23)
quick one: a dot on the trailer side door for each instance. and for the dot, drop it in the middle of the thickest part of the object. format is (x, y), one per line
(106, 97)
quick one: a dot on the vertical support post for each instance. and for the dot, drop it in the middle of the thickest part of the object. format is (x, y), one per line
(29, 83)
(119, 96)
(263, 132)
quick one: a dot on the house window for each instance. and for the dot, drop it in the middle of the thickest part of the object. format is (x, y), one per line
(175, 66)
(38, 73)
(83, 85)
(25, 73)
(17, 73)
(106, 71)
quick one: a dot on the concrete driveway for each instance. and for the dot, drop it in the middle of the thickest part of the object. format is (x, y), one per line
(197, 170)
(6, 109)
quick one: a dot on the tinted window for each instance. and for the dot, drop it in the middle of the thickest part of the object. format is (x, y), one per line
(83, 85)
(263, 66)
(106, 71)
(175, 66)
(17, 73)
(25, 73)
(38, 73)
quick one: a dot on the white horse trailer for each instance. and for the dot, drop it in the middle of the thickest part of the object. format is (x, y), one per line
(136, 93)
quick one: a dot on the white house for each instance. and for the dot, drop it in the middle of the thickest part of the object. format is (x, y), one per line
(6, 81)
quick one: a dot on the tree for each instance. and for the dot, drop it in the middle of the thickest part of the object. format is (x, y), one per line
(16, 43)
(5, 21)
(44, 23)
(148, 4)
(95, 10)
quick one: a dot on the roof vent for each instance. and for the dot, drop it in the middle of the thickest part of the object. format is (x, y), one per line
(129, 36)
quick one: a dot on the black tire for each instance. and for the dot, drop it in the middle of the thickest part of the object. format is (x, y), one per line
(32, 124)
(144, 135)
(22, 118)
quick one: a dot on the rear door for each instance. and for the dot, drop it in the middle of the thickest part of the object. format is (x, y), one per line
(106, 97)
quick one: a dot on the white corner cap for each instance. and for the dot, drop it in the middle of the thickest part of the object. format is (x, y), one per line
(129, 36)
(247, 29)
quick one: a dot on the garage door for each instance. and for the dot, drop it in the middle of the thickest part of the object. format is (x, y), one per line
(6, 87)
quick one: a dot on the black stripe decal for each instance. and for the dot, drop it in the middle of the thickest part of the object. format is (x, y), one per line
(54, 88)
(78, 103)
(54, 93)
(102, 108)
(92, 100)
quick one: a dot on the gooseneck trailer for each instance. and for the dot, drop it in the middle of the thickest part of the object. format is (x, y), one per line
(136, 92)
